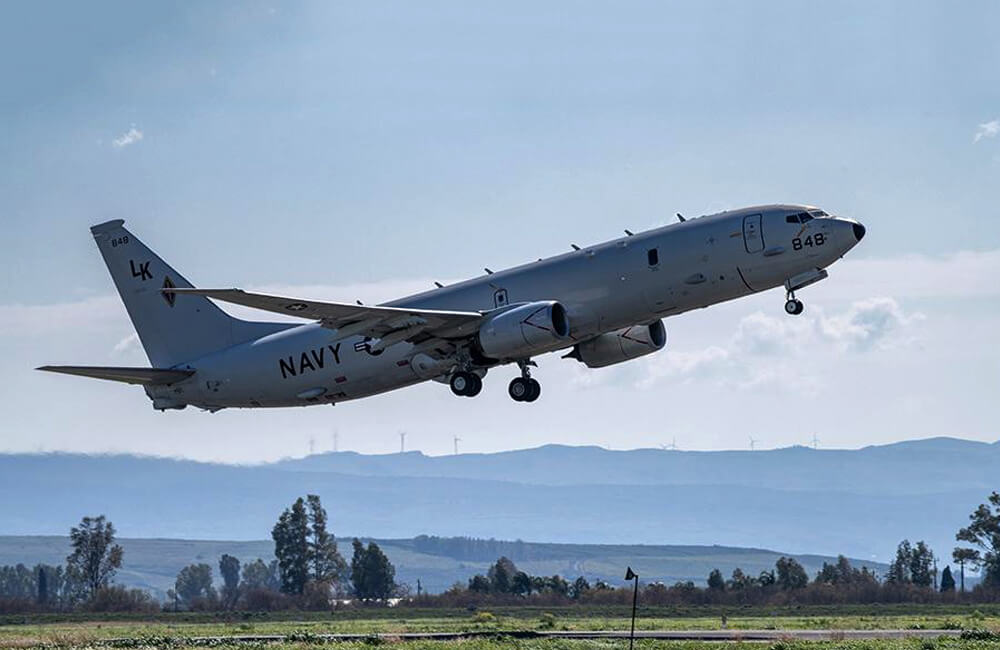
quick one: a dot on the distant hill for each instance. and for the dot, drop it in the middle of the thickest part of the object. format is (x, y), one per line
(911, 467)
(153, 563)
(856, 502)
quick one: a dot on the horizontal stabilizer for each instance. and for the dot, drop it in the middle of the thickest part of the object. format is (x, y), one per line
(144, 376)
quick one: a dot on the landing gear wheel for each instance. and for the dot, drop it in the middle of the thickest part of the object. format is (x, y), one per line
(794, 307)
(519, 389)
(465, 384)
(535, 390)
(476, 385)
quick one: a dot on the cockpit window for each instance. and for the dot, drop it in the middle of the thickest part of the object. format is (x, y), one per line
(801, 217)
(818, 213)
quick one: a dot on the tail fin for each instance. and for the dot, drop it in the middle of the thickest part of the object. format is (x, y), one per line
(173, 328)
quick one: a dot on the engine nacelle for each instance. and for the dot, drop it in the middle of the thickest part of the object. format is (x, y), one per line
(524, 331)
(624, 345)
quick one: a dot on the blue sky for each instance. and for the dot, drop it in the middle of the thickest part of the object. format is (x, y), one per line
(365, 150)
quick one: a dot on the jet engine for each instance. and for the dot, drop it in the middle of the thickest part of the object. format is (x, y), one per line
(524, 331)
(623, 345)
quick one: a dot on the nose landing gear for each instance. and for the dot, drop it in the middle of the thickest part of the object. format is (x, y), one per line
(793, 306)
(524, 388)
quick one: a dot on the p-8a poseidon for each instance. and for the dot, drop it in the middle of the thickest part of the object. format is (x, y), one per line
(602, 303)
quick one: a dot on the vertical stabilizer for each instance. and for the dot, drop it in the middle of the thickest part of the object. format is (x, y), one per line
(173, 328)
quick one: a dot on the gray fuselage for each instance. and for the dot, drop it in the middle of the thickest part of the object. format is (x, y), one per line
(632, 280)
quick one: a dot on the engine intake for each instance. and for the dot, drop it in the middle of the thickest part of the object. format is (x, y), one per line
(524, 331)
(623, 345)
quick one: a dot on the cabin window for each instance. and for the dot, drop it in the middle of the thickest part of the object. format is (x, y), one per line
(653, 257)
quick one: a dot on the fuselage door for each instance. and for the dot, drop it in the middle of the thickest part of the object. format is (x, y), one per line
(753, 238)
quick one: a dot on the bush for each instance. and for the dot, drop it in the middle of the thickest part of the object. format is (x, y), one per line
(119, 599)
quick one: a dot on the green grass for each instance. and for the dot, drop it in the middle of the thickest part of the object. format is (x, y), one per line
(500, 643)
(81, 630)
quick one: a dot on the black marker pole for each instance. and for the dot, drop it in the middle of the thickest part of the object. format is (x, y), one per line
(632, 575)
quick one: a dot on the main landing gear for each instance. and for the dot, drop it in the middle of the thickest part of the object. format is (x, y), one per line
(524, 388)
(466, 384)
(793, 306)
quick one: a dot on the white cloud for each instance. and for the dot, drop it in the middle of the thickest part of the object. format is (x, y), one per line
(876, 322)
(987, 130)
(769, 349)
(127, 344)
(131, 136)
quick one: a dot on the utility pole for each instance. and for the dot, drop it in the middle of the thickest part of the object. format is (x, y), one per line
(632, 575)
(312, 446)
(402, 442)
(336, 441)
(753, 443)
(456, 440)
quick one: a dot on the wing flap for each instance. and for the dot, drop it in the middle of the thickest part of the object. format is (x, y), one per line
(143, 376)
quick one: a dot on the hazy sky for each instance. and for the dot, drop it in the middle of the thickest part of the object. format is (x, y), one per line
(366, 150)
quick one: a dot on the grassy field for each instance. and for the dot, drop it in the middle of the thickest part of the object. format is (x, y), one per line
(83, 630)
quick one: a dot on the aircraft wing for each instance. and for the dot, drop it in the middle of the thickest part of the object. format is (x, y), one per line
(389, 324)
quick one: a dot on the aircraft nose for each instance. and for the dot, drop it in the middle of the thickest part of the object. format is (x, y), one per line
(859, 231)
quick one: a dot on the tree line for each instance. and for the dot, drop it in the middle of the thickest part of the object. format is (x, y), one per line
(309, 572)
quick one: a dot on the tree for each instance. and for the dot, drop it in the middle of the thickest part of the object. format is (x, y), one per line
(501, 576)
(947, 580)
(791, 575)
(715, 581)
(304, 549)
(259, 575)
(899, 570)
(963, 556)
(479, 583)
(984, 532)
(194, 584)
(95, 557)
(327, 563)
(521, 584)
(291, 547)
(229, 567)
(373, 576)
(579, 587)
(921, 565)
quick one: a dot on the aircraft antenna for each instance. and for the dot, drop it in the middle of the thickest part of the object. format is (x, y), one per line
(680, 217)
(629, 232)
(488, 272)
(575, 247)
(438, 285)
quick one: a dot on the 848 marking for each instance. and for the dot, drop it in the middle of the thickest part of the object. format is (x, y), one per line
(812, 240)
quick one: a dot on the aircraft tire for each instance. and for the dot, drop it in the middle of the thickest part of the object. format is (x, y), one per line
(519, 389)
(461, 382)
(475, 385)
(794, 307)
(535, 390)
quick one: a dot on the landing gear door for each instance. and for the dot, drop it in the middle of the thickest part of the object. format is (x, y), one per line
(753, 238)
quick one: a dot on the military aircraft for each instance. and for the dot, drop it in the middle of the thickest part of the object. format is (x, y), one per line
(603, 303)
